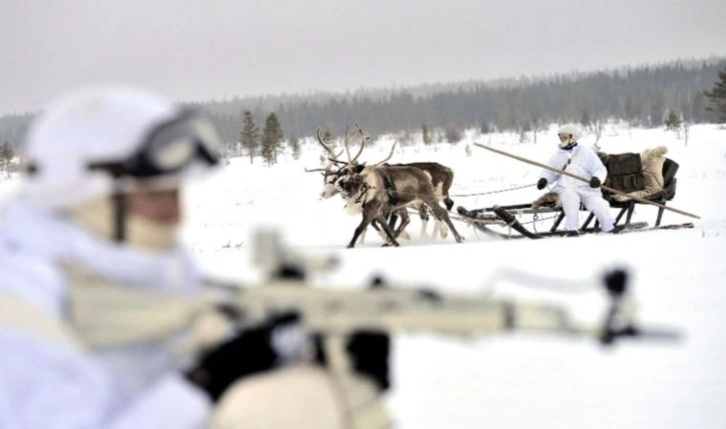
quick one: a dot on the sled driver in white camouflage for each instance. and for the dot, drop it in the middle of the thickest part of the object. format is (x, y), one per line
(583, 162)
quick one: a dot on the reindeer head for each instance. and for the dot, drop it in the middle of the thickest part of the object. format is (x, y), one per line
(351, 185)
(337, 168)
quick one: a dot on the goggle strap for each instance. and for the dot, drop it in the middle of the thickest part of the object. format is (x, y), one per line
(119, 214)
(207, 155)
(116, 169)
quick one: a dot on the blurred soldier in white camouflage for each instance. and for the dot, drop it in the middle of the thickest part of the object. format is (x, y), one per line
(99, 304)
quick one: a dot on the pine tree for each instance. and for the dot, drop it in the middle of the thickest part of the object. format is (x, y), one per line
(6, 156)
(585, 119)
(294, 144)
(425, 134)
(271, 139)
(452, 133)
(673, 121)
(657, 110)
(598, 127)
(248, 137)
(632, 110)
(535, 123)
(717, 96)
(484, 127)
(699, 114)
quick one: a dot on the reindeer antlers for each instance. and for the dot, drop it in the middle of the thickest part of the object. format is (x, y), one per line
(345, 143)
(335, 157)
(363, 139)
(331, 155)
(313, 170)
(389, 155)
(351, 160)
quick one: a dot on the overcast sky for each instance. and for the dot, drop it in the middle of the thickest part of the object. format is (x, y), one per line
(204, 49)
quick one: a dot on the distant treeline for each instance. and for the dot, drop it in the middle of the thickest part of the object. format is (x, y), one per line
(641, 96)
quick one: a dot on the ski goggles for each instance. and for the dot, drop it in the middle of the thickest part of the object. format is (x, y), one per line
(170, 147)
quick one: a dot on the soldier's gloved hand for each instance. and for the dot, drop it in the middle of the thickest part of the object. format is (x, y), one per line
(257, 349)
(541, 183)
(369, 353)
(595, 182)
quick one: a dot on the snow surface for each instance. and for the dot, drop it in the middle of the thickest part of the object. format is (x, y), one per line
(512, 380)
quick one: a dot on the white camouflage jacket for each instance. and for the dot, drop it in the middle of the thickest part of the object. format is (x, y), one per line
(581, 161)
(46, 381)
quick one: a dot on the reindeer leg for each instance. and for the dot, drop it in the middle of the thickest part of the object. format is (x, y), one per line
(401, 233)
(424, 215)
(379, 224)
(376, 225)
(389, 218)
(405, 219)
(442, 214)
(362, 237)
(370, 212)
(391, 236)
(358, 231)
(392, 218)
(442, 229)
(448, 202)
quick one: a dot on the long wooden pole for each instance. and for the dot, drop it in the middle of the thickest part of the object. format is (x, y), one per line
(574, 176)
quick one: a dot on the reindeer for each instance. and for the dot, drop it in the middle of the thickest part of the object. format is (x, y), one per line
(440, 176)
(381, 189)
(337, 169)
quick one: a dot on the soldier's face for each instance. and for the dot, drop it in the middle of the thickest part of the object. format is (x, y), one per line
(161, 206)
(564, 139)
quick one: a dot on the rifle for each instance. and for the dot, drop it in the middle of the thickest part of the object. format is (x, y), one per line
(335, 313)
(404, 307)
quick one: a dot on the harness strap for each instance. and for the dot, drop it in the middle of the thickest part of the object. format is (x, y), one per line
(390, 188)
(363, 193)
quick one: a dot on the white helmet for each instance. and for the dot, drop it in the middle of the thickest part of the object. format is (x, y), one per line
(573, 131)
(94, 141)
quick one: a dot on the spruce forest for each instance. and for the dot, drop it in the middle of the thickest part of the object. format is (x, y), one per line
(641, 96)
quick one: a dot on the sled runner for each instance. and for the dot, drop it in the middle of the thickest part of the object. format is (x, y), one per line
(628, 185)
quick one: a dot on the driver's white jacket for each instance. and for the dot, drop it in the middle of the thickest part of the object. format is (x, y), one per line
(581, 161)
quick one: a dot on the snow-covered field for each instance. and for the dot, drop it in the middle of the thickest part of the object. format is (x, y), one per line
(519, 381)
(513, 381)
